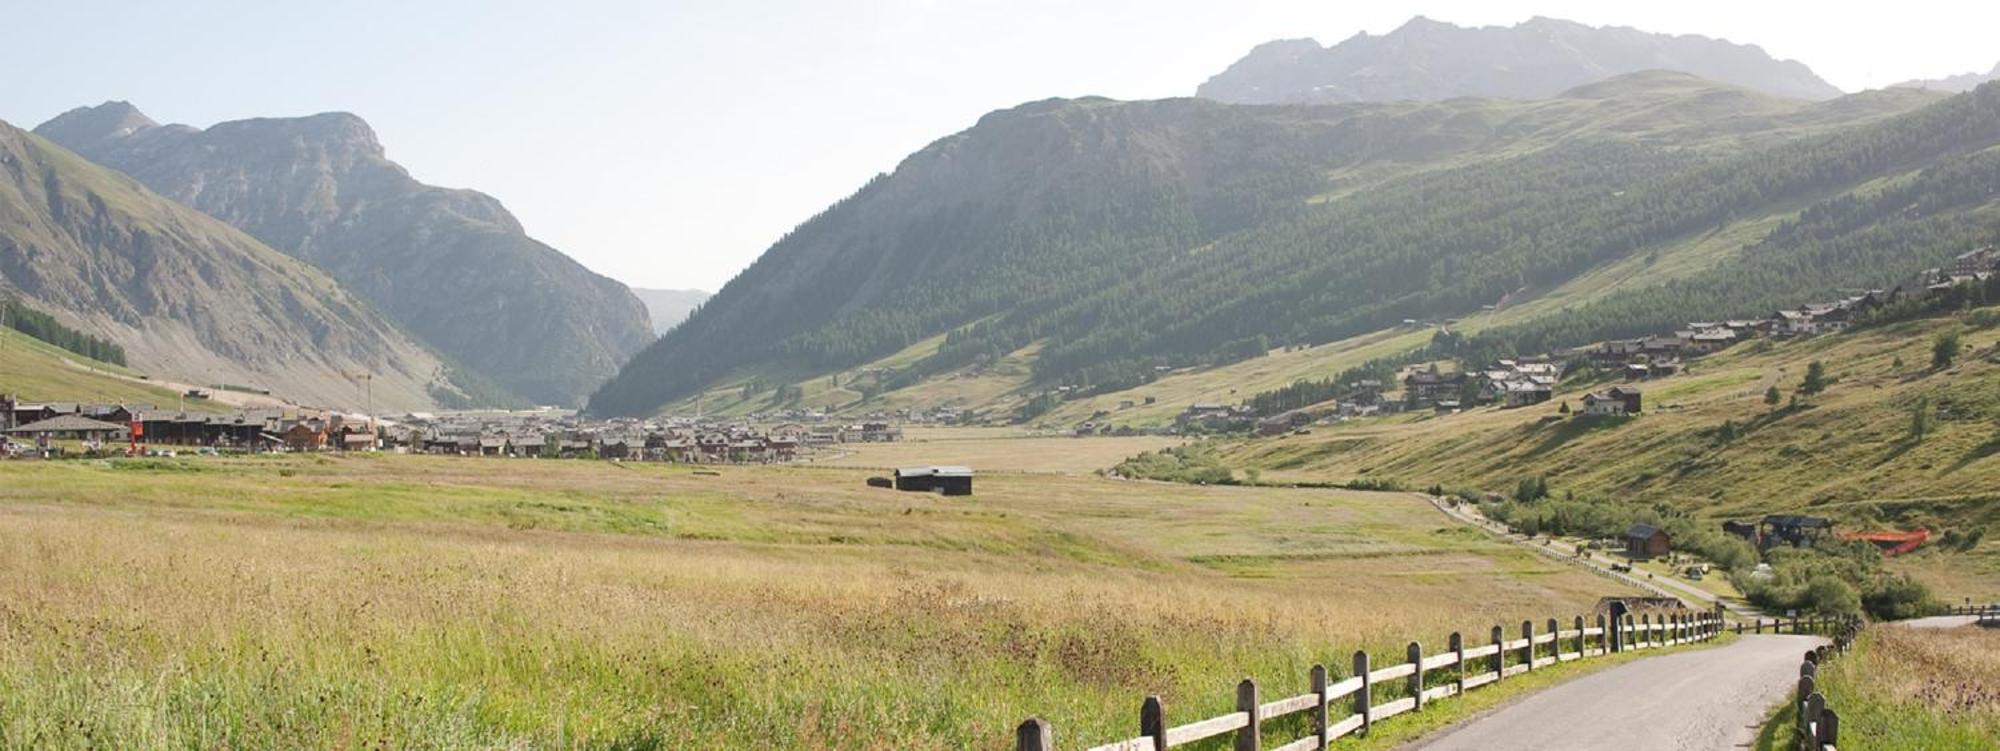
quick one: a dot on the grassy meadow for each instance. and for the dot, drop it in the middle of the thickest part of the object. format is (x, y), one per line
(416, 602)
(1910, 688)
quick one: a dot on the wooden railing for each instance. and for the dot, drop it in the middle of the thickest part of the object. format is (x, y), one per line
(1988, 615)
(1357, 696)
(1812, 624)
(1818, 724)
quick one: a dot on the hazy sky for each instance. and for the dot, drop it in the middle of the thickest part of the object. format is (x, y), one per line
(667, 144)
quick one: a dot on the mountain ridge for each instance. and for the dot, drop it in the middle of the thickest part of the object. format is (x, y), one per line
(453, 266)
(188, 295)
(1428, 60)
(1054, 227)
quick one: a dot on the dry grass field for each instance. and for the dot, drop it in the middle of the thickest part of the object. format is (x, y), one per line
(999, 449)
(409, 602)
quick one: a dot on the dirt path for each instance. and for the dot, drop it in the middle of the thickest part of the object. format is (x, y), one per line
(1687, 701)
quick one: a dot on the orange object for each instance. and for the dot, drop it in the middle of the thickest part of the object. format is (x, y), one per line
(1892, 543)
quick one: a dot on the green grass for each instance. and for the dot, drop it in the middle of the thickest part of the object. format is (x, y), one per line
(1903, 688)
(39, 371)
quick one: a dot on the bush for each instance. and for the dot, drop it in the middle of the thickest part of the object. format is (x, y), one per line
(1829, 595)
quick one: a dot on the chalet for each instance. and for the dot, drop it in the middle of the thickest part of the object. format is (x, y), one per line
(1428, 386)
(1713, 339)
(1658, 346)
(1975, 262)
(1791, 323)
(1792, 529)
(1615, 401)
(305, 435)
(1525, 392)
(880, 432)
(1215, 418)
(948, 480)
(1645, 541)
(70, 427)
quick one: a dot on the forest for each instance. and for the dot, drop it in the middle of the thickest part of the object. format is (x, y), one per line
(42, 326)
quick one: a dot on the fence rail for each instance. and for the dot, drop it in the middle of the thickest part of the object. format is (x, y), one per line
(1356, 697)
(1814, 624)
(1818, 724)
(1986, 615)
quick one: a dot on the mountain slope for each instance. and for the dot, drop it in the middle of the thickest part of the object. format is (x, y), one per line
(1121, 238)
(1430, 60)
(452, 266)
(668, 307)
(185, 294)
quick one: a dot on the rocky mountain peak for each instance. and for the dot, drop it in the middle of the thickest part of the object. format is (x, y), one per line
(85, 127)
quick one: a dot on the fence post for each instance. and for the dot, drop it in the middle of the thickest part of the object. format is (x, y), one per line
(1416, 655)
(1252, 734)
(1458, 648)
(1499, 658)
(1581, 648)
(1528, 648)
(1319, 710)
(1555, 639)
(1034, 735)
(1829, 727)
(1363, 703)
(1760, 624)
(1153, 722)
(1603, 635)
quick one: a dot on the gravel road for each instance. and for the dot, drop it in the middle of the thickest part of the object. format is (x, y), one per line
(1687, 701)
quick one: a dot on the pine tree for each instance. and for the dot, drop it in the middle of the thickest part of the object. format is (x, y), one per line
(1771, 395)
(1815, 380)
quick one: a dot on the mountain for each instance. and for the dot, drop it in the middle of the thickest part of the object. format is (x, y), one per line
(1102, 242)
(1428, 60)
(669, 307)
(451, 266)
(1954, 84)
(189, 297)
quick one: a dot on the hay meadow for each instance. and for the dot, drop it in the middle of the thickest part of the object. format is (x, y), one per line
(415, 602)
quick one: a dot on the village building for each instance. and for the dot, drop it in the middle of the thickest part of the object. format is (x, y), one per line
(70, 427)
(1645, 541)
(948, 480)
(1615, 401)
(1792, 529)
(1426, 387)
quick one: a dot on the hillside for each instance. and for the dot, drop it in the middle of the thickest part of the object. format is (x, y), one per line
(1430, 60)
(1847, 451)
(452, 267)
(186, 295)
(668, 307)
(1120, 240)
(38, 372)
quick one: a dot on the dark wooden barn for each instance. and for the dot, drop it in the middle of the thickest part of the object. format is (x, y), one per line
(946, 480)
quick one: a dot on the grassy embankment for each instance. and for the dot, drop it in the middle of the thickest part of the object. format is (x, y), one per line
(447, 603)
(1909, 688)
(39, 371)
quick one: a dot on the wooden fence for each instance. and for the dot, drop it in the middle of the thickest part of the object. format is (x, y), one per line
(1988, 615)
(1465, 667)
(1814, 624)
(1818, 724)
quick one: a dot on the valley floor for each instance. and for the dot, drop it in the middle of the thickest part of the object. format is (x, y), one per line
(417, 602)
